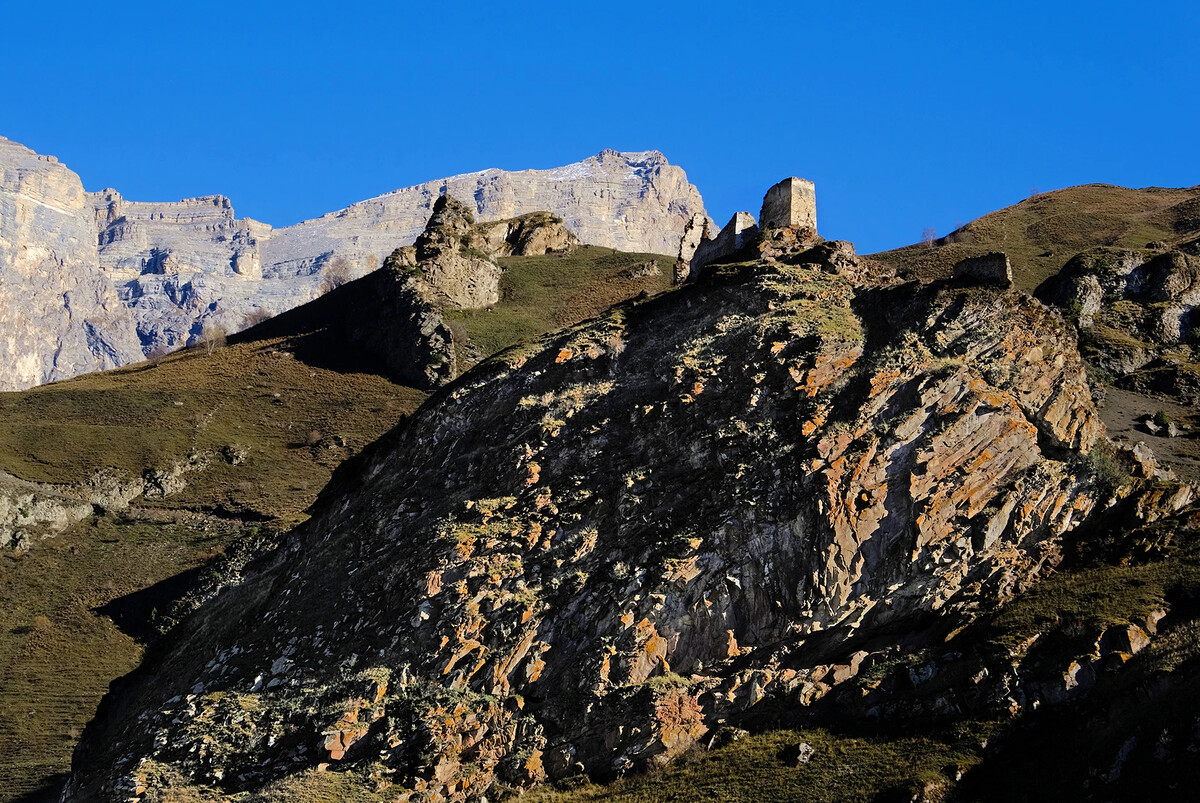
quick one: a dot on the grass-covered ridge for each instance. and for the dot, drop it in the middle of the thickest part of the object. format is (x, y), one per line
(294, 422)
(1042, 232)
(543, 293)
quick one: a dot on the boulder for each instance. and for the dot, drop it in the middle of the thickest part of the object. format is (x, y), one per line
(990, 269)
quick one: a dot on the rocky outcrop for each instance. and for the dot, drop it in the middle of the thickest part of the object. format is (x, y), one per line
(1136, 310)
(453, 263)
(168, 271)
(59, 316)
(495, 594)
(534, 234)
(29, 511)
(390, 321)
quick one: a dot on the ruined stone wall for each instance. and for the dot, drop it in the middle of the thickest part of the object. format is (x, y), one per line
(739, 232)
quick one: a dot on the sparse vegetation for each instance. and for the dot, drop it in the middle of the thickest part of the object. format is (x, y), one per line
(540, 294)
(338, 272)
(843, 767)
(1042, 232)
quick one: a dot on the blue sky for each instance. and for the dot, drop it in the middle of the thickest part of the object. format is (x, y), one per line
(907, 115)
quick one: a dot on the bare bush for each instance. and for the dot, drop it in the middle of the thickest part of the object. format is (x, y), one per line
(212, 336)
(338, 272)
(254, 317)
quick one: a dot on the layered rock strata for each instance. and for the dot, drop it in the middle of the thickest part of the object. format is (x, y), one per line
(122, 279)
(59, 315)
(585, 554)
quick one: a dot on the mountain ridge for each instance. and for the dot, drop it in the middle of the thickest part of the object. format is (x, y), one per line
(175, 268)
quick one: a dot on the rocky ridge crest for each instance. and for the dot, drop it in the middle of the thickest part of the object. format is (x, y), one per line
(811, 455)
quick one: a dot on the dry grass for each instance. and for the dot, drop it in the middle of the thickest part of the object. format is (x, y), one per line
(1041, 233)
(250, 396)
(544, 293)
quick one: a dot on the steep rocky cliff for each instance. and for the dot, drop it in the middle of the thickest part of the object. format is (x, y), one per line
(59, 316)
(180, 267)
(589, 552)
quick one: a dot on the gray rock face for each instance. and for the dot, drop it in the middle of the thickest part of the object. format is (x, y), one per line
(59, 316)
(91, 280)
(29, 511)
(989, 269)
(182, 266)
(454, 265)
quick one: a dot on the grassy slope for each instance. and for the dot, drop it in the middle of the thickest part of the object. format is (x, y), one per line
(759, 768)
(541, 294)
(1041, 233)
(57, 651)
(251, 396)
(57, 655)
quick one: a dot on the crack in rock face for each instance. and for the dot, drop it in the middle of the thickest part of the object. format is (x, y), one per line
(589, 550)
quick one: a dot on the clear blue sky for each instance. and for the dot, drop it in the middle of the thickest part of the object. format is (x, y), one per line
(906, 115)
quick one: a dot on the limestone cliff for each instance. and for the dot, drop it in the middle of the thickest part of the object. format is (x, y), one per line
(59, 316)
(87, 263)
(588, 552)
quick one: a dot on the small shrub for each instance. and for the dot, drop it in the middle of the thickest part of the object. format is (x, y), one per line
(1073, 310)
(212, 337)
(255, 317)
(1106, 468)
(338, 272)
(1162, 418)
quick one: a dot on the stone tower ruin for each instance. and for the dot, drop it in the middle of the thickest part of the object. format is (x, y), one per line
(792, 203)
(789, 208)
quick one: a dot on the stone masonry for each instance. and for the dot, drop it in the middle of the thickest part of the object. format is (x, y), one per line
(790, 203)
(739, 232)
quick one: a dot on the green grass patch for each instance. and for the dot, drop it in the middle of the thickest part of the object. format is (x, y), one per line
(761, 768)
(543, 293)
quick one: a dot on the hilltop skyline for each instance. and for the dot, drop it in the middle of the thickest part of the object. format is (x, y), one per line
(925, 118)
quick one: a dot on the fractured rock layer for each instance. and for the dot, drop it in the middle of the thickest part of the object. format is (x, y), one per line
(586, 553)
